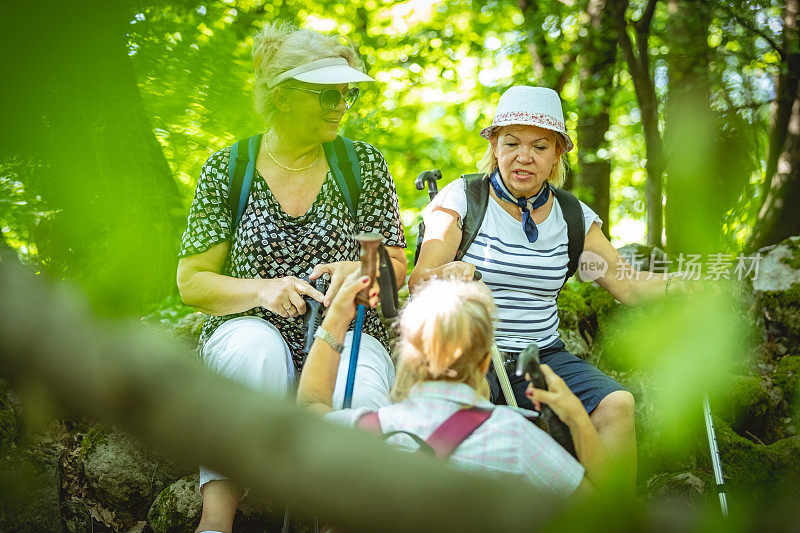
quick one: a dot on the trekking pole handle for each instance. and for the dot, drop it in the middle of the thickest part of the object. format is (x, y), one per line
(528, 361)
(370, 242)
(431, 177)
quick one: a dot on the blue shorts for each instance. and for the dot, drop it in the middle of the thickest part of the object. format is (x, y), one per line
(584, 380)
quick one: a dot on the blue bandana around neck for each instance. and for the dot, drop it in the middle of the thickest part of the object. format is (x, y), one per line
(526, 205)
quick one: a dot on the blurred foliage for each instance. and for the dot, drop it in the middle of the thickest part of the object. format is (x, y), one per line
(440, 68)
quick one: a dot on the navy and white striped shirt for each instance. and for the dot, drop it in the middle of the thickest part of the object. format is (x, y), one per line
(524, 277)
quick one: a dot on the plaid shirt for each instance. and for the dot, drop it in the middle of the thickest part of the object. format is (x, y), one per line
(507, 442)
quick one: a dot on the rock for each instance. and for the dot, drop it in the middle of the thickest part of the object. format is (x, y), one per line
(122, 473)
(756, 471)
(572, 309)
(177, 508)
(256, 515)
(76, 518)
(10, 416)
(576, 345)
(749, 404)
(779, 267)
(777, 292)
(574, 318)
(30, 482)
(643, 257)
(787, 378)
(683, 487)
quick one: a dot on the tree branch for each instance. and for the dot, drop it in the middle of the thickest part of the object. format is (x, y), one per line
(643, 23)
(746, 24)
(130, 377)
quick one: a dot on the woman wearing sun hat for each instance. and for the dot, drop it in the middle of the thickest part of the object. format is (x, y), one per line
(521, 253)
(296, 224)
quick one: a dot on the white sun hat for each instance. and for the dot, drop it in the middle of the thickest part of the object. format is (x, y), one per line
(331, 70)
(530, 106)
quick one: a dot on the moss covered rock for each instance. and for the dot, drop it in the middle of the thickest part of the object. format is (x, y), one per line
(782, 311)
(122, 473)
(177, 508)
(572, 308)
(750, 405)
(685, 488)
(10, 417)
(30, 482)
(787, 378)
(756, 471)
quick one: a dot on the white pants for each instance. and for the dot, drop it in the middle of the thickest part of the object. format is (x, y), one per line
(252, 351)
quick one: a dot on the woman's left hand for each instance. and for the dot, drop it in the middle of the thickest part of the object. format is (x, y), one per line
(338, 271)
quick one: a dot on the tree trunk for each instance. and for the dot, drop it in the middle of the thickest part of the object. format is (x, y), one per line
(779, 217)
(597, 77)
(639, 67)
(545, 70)
(74, 103)
(691, 215)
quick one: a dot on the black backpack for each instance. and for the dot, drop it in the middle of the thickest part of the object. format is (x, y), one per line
(477, 190)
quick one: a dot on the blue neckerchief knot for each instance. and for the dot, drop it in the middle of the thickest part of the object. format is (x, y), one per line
(526, 205)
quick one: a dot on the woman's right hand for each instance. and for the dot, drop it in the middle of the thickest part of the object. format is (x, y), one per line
(456, 270)
(284, 296)
(558, 397)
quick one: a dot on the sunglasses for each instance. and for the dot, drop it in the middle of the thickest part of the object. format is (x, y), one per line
(331, 98)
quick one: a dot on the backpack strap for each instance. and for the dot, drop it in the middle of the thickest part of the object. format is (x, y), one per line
(346, 170)
(576, 231)
(456, 429)
(477, 190)
(241, 167)
(445, 438)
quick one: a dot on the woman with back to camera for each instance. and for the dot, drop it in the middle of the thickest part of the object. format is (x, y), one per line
(251, 277)
(521, 251)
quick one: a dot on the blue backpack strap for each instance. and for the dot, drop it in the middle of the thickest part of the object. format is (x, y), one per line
(241, 168)
(346, 170)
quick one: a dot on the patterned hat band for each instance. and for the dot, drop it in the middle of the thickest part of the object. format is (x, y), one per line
(528, 119)
(530, 106)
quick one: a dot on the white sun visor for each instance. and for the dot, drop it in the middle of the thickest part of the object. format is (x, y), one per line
(331, 70)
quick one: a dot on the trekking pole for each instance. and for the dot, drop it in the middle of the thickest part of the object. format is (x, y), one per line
(369, 266)
(430, 177)
(528, 361)
(502, 377)
(715, 461)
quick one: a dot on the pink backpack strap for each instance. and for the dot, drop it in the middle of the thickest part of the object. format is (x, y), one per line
(370, 422)
(456, 429)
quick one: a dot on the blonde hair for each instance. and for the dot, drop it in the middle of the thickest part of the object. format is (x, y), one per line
(488, 162)
(282, 46)
(445, 333)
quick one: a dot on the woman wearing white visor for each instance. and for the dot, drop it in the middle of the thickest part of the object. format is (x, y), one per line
(297, 223)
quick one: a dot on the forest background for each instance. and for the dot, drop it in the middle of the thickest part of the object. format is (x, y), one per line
(686, 117)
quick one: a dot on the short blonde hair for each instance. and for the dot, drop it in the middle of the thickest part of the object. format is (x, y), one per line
(445, 333)
(282, 46)
(488, 162)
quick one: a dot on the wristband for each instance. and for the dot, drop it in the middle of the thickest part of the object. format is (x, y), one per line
(326, 336)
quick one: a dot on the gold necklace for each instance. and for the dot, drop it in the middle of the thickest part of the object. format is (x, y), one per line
(266, 145)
